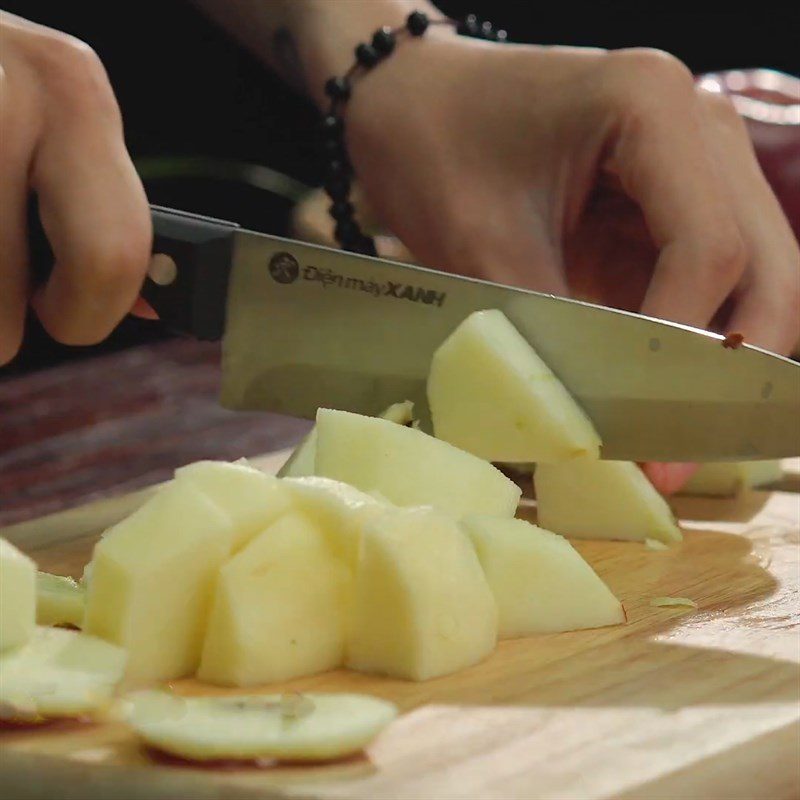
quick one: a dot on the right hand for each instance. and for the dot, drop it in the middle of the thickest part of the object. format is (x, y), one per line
(61, 137)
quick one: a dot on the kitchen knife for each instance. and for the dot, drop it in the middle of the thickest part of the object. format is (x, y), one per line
(304, 326)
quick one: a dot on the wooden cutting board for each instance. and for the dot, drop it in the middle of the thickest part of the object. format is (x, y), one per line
(677, 703)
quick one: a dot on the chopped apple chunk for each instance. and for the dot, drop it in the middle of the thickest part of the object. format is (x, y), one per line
(58, 673)
(309, 727)
(422, 605)
(251, 498)
(340, 510)
(17, 596)
(152, 581)
(408, 467)
(301, 462)
(279, 609)
(491, 395)
(589, 499)
(540, 582)
(725, 479)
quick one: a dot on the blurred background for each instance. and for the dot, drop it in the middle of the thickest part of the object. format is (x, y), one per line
(197, 107)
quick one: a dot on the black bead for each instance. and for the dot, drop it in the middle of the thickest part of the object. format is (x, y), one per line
(332, 126)
(339, 168)
(333, 147)
(501, 35)
(341, 210)
(338, 187)
(367, 55)
(366, 246)
(337, 88)
(383, 41)
(347, 231)
(487, 32)
(468, 26)
(417, 23)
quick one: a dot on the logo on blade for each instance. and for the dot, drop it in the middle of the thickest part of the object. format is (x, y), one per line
(284, 268)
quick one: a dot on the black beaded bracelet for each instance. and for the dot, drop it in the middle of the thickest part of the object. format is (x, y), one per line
(339, 169)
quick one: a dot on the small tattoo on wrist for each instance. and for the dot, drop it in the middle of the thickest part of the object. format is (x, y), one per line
(286, 59)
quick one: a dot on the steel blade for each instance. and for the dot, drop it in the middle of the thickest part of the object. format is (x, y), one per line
(308, 326)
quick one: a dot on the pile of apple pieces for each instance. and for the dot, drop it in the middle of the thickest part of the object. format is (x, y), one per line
(50, 673)
(244, 579)
(401, 555)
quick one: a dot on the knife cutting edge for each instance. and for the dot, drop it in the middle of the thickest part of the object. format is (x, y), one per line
(304, 326)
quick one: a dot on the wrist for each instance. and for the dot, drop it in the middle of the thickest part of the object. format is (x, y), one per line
(327, 33)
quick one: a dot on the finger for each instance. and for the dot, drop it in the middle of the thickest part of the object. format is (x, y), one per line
(767, 301)
(93, 208)
(661, 159)
(18, 134)
(669, 478)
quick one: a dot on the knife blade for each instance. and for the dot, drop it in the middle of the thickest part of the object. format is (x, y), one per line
(304, 326)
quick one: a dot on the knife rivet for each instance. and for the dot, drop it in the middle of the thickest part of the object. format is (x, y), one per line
(162, 269)
(655, 344)
(766, 390)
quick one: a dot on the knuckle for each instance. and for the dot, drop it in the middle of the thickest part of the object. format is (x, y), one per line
(645, 69)
(721, 108)
(73, 73)
(725, 255)
(113, 267)
(119, 268)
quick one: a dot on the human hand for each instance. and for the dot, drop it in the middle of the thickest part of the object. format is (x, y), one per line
(607, 176)
(62, 138)
(577, 171)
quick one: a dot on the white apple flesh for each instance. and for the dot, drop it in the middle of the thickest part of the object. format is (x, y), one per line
(251, 498)
(279, 609)
(340, 511)
(152, 581)
(17, 596)
(59, 673)
(301, 462)
(309, 727)
(491, 395)
(408, 467)
(726, 479)
(589, 499)
(539, 581)
(422, 605)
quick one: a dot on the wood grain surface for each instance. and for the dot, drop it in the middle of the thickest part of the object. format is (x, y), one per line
(119, 422)
(677, 703)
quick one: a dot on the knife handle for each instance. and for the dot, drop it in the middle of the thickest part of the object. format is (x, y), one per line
(187, 283)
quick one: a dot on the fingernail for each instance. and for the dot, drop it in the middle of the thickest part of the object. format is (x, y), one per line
(669, 478)
(143, 309)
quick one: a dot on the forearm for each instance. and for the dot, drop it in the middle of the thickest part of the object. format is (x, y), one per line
(307, 41)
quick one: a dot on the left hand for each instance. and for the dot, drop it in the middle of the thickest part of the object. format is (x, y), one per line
(603, 174)
(607, 176)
